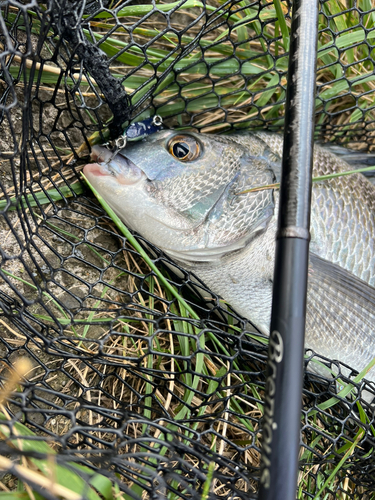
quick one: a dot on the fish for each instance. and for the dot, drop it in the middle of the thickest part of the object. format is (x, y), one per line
(193, 195)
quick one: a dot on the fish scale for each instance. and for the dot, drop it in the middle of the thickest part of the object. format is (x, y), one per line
(343, 229)
(195, 213)
(342, 213)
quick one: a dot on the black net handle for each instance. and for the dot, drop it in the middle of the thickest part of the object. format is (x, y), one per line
(66, 17)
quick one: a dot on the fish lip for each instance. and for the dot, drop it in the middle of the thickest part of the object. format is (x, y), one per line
(116, 164)
(98, 169)
(110, 159)
(106, 170)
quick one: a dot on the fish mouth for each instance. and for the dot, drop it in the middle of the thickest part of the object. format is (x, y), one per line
(121, 168)
(96, 169)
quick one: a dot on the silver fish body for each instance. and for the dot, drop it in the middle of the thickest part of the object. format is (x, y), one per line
(184, 193)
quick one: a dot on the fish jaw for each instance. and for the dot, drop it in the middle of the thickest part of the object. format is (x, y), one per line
(125, 188)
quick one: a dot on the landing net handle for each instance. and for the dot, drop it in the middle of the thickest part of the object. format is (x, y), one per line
(281, 424)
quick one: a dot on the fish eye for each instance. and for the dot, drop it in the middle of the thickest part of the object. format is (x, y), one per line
(184, 148)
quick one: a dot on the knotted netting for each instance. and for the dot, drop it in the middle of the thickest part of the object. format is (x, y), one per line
(142, 385)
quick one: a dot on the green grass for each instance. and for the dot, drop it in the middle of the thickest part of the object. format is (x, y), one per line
(256, 104)
(204, 83)
(68, 481)
(41, 197)
(187, 338)
(192, 382)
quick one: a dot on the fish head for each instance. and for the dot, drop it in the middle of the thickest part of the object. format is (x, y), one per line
(183, 191)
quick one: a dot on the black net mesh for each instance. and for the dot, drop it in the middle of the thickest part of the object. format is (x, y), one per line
(133, 395)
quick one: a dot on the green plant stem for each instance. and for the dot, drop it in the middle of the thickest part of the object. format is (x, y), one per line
(132, 240)
(314, 179)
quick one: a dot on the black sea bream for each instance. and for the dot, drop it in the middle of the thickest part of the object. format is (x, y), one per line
(182, 191)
